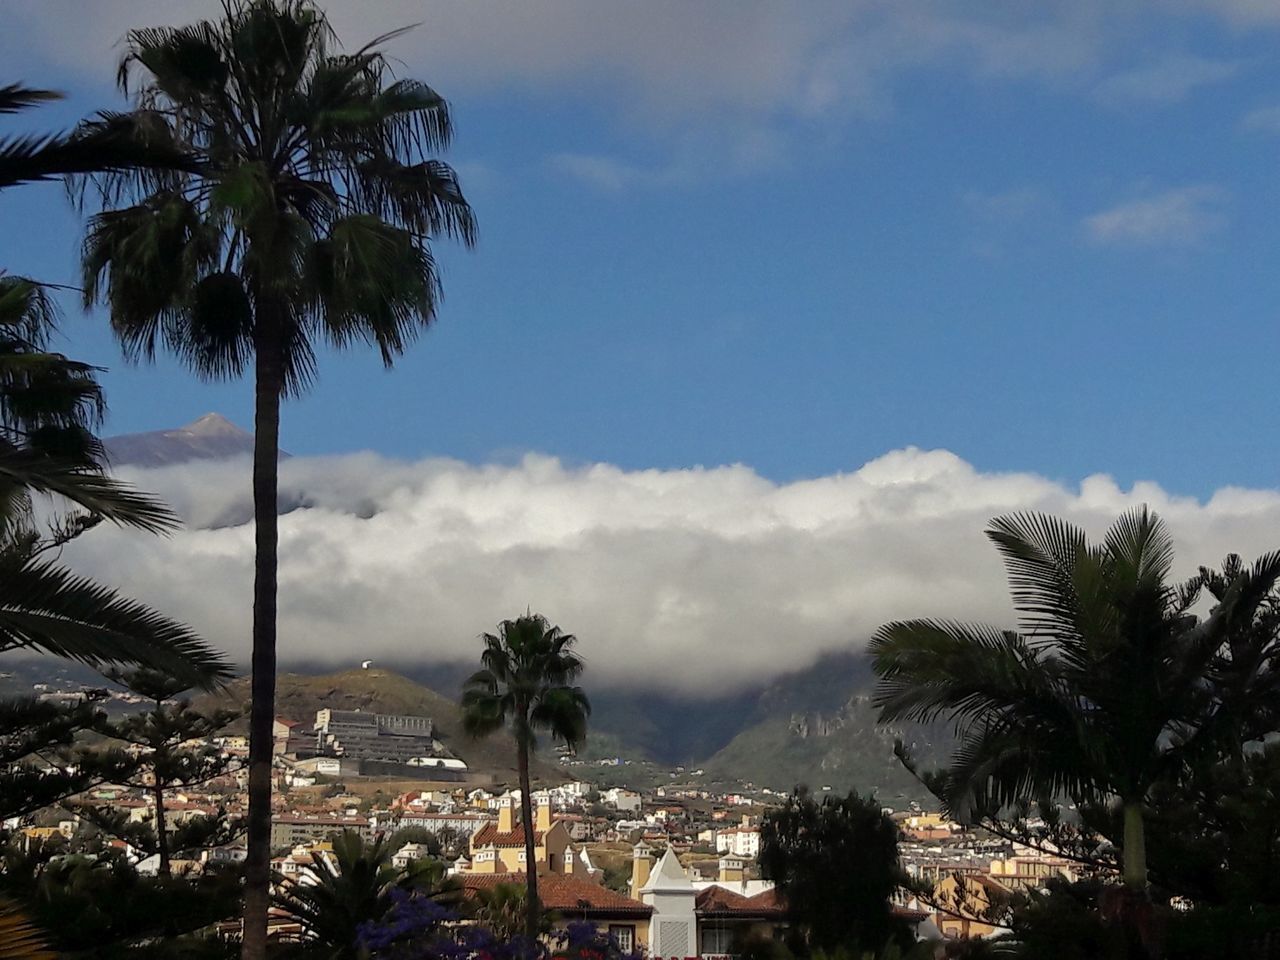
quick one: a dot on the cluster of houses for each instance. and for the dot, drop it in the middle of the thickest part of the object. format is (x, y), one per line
(667, 909)
(693, 888)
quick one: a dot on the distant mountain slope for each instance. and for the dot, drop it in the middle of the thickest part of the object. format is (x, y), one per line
(212, 437)
(817, 727)
(298, 697)
(844, 749)
(814, 726)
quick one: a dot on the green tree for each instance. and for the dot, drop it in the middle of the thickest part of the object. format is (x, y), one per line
(354, 887)
(526, 683)
(100, 907)
(835, 861)
(1102, 693)
(309, 217)
(33, 735)
(165, 761)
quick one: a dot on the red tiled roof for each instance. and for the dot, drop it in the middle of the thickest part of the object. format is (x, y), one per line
(717, 901)
(568, 895)
(489, 834)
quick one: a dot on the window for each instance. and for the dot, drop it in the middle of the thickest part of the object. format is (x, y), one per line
(716, 940)
(624, 937)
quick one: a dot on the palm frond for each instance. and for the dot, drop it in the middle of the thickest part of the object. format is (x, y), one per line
(933, 668)
(89, 488)
(20, 939)
(14, 97)
(1041, 553)
(1140, 545)
(45, 607)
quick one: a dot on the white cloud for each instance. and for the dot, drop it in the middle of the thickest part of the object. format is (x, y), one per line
(604, 173)
(1004, 206)
(700, 579)
(1262, 120)
(1178, 217)
(1166, 80)
(744, 61)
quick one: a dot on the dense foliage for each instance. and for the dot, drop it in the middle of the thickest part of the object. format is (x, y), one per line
(1153, 721)
(835, 862)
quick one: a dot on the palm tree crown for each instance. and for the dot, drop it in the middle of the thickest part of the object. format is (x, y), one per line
(355, 886)
(1097, 693)
(526, 682)
(311, 209)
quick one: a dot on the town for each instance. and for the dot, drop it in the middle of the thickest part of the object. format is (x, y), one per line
(635, 480)
(672, 870)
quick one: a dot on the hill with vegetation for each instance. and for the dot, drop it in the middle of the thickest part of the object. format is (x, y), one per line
(299, 696)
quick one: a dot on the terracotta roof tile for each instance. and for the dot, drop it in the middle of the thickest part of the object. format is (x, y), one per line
(573, 896)
(720, 901)
(489, 834)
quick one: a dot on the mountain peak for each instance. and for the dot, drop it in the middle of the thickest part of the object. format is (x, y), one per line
(211, 437)
(213, 425)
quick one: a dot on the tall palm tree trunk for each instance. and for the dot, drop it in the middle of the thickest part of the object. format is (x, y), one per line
(162, 835)
(1135, 846)
(269, 382)
(532, 909)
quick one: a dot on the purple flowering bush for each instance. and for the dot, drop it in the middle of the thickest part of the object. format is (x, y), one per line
(419, 928)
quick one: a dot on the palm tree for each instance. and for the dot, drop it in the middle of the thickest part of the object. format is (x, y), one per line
(354, 887)
(48, 407)
(1098, 694)
(310, 216)
(526, 683)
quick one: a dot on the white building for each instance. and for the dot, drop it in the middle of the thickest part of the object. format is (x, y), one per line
(622, 799)
(673, 931)
(408, 853)
(739, 842)
(465, 824)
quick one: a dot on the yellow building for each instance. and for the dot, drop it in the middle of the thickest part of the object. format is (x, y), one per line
(1031, 871)
(499, 847)
(963, 902)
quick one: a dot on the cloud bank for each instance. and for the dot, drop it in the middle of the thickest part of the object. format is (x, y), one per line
(692, 581)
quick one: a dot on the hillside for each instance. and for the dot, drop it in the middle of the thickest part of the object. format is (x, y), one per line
(814, 726)
(817, 727)
(844, 749)
(298, 697)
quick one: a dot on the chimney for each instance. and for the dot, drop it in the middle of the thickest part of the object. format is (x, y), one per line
(506, 816)
(641, 864)
(541, 813)
(732, 870)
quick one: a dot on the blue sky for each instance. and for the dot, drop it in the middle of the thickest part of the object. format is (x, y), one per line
(797, 237)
